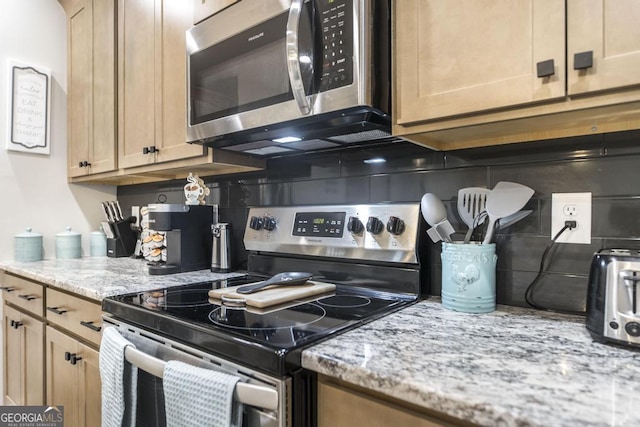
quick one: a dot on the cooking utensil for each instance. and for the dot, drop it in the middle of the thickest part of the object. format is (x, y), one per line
(270, 297)
(290, 278)
(434, 212)
(508, 221)
(471, 202)
(505, 199)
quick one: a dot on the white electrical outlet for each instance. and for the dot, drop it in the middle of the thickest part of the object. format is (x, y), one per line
(571, 207)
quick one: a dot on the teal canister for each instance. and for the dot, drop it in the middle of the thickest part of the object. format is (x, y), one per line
(98, 243)
(27, 246)
(469, 277)
(68, 244)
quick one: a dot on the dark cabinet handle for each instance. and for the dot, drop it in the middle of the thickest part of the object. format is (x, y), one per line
(583, 60)
(84, 164)
(7, 288)
(16, 325)
(546, 68)
(27, 297)
(91, 326)
(71, 357)
(55, 310)
(152, 149)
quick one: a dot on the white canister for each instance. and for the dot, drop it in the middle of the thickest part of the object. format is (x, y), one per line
(98, 243)
(68, 244)
(27, 246)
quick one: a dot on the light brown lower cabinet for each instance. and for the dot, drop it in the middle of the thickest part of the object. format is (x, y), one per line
(73, 379)
(340, 405)
(23, 355)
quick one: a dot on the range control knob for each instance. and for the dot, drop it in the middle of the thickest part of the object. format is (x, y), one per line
(255, 223)
(374, 225)
(354, 225)
(633, 329)
(395, 225)
(269, 223)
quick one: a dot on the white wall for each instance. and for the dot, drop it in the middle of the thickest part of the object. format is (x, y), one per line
(33, 188)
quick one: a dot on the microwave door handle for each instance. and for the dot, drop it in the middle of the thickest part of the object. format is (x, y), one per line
(293, 61)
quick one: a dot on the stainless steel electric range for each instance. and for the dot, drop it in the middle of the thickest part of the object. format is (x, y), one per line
(371, 253)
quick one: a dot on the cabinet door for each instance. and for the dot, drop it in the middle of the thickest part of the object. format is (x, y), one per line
(339, 407)
(62, 376)
(475, 56)
(80, 40)
(153, 84)
(23, 358)
(610, 30)
(102, 150)
(172, 124)
(137, 87)
(90, 405)
(92, 90)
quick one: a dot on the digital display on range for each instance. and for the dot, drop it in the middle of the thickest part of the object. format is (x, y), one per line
(319, 224)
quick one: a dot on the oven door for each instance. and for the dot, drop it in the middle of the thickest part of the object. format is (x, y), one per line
(263, 410)
(290, 60)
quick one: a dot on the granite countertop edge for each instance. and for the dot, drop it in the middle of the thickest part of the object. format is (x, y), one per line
(101, 277)
(511, 367)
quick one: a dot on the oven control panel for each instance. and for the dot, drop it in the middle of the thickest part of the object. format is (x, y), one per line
(382, 232)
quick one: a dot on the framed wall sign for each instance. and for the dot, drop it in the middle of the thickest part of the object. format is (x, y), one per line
(29, 97)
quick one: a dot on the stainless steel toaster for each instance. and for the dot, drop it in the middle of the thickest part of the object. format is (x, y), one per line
(613, 297)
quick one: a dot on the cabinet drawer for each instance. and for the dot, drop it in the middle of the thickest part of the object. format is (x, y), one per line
(83, 318)
(23, 293)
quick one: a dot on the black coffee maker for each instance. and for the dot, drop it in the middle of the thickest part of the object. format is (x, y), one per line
(188, 236)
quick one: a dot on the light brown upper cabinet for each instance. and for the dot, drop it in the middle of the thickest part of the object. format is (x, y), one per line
(477, 73)
(92, 86)
(152, 82)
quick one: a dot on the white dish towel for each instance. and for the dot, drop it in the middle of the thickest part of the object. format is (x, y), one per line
(119, 381)
(196, 396)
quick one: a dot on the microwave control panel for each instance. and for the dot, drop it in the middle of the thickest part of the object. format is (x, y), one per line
(338, 41)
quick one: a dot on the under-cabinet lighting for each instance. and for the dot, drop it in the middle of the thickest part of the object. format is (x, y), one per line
(375, 160)
(287, 139)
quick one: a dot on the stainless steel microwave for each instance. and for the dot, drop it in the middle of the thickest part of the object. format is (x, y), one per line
(276, 77)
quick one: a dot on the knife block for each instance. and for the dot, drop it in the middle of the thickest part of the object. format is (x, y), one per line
(124, 242)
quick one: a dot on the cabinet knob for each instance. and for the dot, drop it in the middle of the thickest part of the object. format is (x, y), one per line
(546, 68)
(84, 164)
(583, 60)
(145, 150)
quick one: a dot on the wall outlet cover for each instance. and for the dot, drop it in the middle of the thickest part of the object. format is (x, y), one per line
(571, 207)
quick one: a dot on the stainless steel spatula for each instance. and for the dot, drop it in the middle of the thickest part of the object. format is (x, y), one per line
(471, 202)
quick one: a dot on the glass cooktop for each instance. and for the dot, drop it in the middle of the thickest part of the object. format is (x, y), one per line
(270, 339)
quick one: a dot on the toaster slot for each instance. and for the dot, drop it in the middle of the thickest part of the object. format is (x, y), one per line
(630, 279)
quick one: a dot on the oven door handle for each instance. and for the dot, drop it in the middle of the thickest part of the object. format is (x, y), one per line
(248, 394)
(293, 60)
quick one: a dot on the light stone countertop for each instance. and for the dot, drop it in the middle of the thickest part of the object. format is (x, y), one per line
(512, 367)
(100, 277)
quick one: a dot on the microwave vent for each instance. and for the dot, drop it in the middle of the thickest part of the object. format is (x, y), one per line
(370, 135)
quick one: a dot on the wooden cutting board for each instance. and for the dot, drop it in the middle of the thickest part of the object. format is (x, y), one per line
(275, 295)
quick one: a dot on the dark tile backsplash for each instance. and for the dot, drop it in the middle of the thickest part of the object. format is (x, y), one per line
(608, 166)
